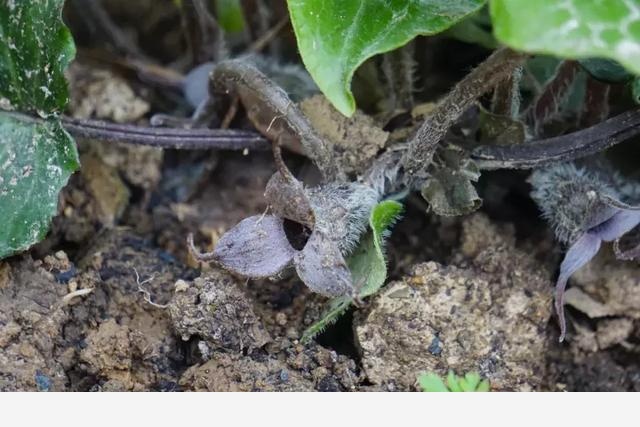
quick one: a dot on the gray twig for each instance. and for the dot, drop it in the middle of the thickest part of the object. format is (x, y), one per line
(258, 92)
(560, 148)
(497, 67)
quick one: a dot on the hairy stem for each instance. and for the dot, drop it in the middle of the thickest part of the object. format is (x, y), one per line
(548, 102)
(266, 100)
(497, 67)
(560, 148)
(181, 139)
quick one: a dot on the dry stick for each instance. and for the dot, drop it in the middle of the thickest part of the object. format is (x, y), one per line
(237, 75)
(183, 139)
(560, 148)
(497, 67)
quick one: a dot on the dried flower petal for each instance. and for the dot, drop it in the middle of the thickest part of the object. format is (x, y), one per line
(322, 267)
(257, 247)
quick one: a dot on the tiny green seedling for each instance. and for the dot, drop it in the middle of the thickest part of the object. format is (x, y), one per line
(471, 382)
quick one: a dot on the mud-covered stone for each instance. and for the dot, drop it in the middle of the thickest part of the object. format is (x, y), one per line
(32, 314)
(216, 311)
(488, 314)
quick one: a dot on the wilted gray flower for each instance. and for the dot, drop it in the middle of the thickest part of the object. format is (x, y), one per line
(585, 209)
(336, 214)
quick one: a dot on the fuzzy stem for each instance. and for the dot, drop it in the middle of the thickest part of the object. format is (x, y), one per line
(181, 139)
(560, 148)
(497, 67)
(245, 79)
(547, 103)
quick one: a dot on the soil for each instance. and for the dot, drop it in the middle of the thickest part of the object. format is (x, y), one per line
(112, 300)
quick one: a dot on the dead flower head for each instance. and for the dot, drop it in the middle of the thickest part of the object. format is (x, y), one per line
(585, 209)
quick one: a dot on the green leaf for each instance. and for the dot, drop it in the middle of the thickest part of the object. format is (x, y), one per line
(35, 49)
(336, 36)
(431, 382)
(475, 28)
(367, 264)
(571, 28)
(36, 160)
(230, 16)
(36, 156)
(471, 382)
(337, 307)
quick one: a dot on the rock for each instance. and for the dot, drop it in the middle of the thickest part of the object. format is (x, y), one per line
(489, 316)
(31, 320)
(103, 95)
(235, 372)
(108, 353)
(215, 310)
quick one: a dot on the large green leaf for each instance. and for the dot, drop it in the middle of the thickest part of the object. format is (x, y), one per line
(367, 264)
(336, 36)
(571, 28)
(36, 160)
(36, 155)
(35, 49)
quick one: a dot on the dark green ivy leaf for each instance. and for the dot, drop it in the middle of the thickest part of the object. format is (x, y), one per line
(35, 49)
(36, 160)
(36, 156)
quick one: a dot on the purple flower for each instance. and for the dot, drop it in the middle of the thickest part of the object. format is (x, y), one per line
(585, 210)
(335, 214)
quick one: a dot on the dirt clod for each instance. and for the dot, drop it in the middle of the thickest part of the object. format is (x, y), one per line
(488, 315)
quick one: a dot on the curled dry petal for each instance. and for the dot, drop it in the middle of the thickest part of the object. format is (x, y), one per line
(257, 247)
(587, 246)
(580, 253)
(322, 267)
(288, 199)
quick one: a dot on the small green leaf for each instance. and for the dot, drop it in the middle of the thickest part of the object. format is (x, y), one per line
(367, 264)
(431, 382)
(36, 160)
(475, 28)
(571, 28)
(230, 16)
(471, 382)
(454, 382)
(336, 36)
(337, 307)
(35, 49)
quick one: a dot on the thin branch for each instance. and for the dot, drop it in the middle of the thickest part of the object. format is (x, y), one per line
(493, 70)
(560, 148)
(263, 98)
(181, 139)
